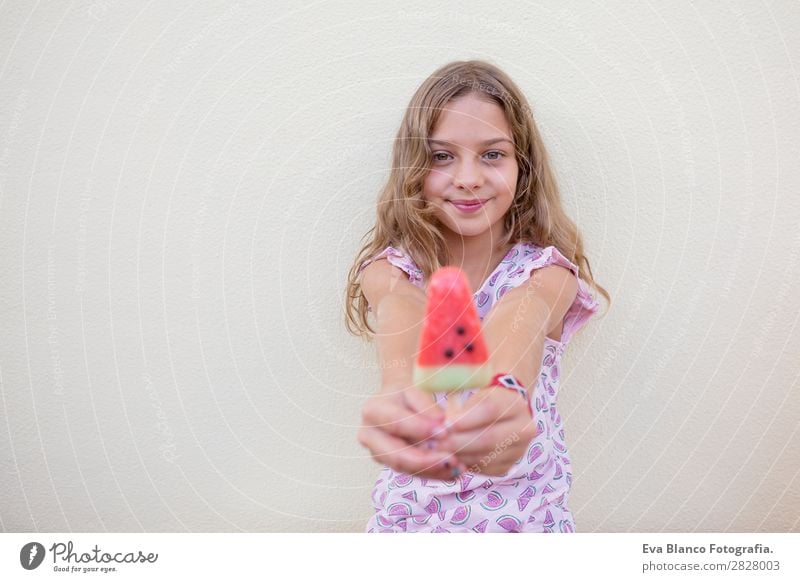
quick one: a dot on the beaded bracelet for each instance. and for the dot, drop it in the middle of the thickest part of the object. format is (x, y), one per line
(511, 382)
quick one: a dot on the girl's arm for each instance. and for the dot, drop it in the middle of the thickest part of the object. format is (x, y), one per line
(516, 326)
(399, 309)
(399, 325)
(399, 415)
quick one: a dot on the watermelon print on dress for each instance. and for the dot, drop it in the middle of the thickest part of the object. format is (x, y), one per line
(452, 352)
(534, 495)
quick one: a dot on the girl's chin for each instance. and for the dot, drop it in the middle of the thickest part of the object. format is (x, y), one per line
(474, 228)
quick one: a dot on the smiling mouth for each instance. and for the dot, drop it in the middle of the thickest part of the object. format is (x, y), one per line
(468, 202)
(468, 205)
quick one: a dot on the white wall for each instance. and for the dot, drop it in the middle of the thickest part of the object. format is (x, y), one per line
(182, 189)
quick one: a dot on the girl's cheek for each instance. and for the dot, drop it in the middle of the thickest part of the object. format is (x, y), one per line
(435, 182)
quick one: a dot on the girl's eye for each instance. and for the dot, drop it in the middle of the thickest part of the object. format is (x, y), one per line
(493, 156)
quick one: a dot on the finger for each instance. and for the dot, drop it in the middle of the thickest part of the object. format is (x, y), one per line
(481, 440)
(451, 468)
(442, 473)
(423, 403)
(399, 420)
(438, 442)
(402, 457)
(446, 475)
(482, 409)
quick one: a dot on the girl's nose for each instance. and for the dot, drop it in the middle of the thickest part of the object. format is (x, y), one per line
(468, 177)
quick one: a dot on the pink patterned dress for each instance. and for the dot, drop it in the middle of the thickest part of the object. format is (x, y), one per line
(533, 495)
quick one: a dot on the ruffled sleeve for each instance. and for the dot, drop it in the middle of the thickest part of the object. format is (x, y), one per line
(399, 259)
(585, 304)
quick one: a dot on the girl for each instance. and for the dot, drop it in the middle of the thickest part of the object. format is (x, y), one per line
(471, 186)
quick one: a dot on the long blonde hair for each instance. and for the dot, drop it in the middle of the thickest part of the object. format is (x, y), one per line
(403, 218)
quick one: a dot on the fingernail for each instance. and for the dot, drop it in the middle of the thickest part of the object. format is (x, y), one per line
(432, 445)
(456, 472)
(446, 465)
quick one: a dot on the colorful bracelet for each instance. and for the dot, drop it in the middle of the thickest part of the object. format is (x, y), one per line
(511, 382)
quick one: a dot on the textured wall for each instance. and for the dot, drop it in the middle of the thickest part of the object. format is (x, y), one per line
(183, 186)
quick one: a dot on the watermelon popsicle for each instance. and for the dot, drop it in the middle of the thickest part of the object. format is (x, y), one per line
(452, 355)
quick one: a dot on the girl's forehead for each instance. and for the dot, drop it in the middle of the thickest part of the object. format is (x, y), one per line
(472, 120)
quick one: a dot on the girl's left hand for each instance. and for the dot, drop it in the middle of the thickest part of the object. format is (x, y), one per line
(491, 431)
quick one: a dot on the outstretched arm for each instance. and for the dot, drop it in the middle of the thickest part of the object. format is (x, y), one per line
(514, 329)
(399, 415)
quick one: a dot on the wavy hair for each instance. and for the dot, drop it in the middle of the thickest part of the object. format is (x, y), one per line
(405, 220)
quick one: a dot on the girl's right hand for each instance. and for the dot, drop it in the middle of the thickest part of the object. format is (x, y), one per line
(395, 422)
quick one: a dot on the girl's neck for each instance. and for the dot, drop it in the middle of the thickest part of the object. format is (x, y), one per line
(476, 252)
(476, 256)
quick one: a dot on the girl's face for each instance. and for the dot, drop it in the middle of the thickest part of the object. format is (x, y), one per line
(473, 162)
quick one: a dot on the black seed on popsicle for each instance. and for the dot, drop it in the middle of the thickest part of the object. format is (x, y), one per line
(460, 330)
(468, 347)
(448, 352)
